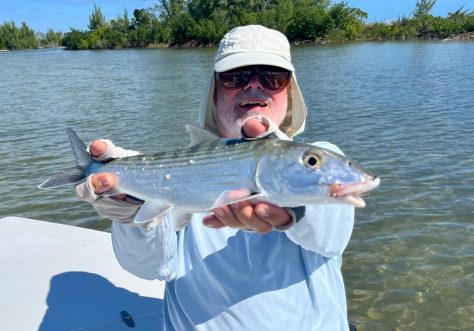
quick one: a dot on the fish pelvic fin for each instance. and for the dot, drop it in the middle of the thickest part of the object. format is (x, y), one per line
(73, 175)
(149, 210)
(181, 219)
(152, 212)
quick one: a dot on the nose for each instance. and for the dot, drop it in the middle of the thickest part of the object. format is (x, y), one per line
(254, 82)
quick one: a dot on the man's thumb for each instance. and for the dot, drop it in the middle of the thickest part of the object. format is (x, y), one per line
(102, 182)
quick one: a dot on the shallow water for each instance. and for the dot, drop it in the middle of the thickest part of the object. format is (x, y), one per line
(404, 110)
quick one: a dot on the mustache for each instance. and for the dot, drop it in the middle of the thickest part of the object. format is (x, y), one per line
(252, 94)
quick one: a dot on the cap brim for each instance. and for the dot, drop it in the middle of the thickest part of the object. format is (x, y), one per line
(237, 60)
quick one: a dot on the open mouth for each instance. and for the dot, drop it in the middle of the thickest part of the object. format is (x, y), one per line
(250, 104)
(351, 193)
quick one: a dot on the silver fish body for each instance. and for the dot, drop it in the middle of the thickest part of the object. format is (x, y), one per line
(224, 171)
(190, 179)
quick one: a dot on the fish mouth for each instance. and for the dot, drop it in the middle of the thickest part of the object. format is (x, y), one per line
(351, 193)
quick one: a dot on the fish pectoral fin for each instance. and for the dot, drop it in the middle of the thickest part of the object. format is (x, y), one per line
(180, 219)
(149, 210)
(233, 196)
(199, 135)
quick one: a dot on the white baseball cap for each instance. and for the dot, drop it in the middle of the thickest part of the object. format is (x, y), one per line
(255, 45)
(250, 45)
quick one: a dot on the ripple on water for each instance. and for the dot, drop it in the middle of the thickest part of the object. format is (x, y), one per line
(407, 115)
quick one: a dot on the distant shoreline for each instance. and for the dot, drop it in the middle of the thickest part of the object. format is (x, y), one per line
(189, 26)
(192, 44)
(469, 36)
(459, 37)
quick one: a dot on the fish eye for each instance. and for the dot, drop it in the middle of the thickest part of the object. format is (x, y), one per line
(312, 160)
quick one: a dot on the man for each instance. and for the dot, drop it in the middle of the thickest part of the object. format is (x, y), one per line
(245, 266)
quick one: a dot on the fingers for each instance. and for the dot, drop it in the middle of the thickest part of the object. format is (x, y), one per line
(261, 218)
(244, 212)
(274, 215)
(222, 217)
(98, 148)
(253, 128)
(102, 182)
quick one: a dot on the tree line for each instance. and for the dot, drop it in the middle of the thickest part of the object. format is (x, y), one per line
(204, 22)
(458, 24)
(14, 37)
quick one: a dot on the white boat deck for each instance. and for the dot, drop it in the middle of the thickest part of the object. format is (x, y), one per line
(60, 277)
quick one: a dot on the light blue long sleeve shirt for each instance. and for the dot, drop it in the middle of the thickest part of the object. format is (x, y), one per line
(231, 279)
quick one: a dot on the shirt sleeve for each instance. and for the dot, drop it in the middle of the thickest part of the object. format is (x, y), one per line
(324, 229)
(147, 250)
(107, 207)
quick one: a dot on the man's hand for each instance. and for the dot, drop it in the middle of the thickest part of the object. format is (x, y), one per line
(261, 217)
(102, 182)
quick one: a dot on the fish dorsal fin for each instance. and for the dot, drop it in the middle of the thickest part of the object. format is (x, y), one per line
(199, 135)
(280, 134)
(149, 210)
(273, 130)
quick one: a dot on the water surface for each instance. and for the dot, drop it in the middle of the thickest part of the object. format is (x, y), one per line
(404, 110)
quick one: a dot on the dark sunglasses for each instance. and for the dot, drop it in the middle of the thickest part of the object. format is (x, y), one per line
(272, 78)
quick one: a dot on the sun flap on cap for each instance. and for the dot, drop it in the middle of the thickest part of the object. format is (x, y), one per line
(297, 109)
(255, 45)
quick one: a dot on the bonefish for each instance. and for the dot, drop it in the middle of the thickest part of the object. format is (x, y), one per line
(213, 172)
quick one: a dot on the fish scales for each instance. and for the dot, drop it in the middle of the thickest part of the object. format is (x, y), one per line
(182, 159)
(219, 172)
(172, 177)
(206, 152)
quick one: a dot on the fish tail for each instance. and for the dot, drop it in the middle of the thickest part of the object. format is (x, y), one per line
(73, 175)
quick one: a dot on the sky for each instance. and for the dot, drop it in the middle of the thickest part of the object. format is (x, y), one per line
(387, 10)
(61, 15)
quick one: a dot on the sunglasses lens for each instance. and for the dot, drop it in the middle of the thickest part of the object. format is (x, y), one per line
(272, 78)
(235, 79)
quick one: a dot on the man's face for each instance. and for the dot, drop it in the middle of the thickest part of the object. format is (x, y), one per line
(234, 106)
